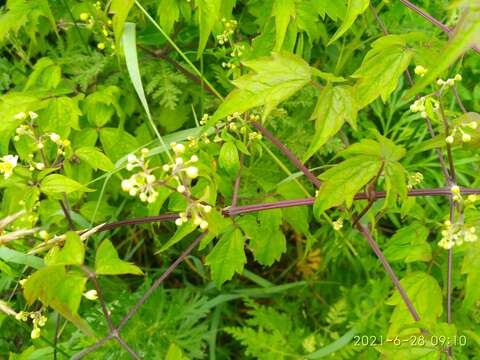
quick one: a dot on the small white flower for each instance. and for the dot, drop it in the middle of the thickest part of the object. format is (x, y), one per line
(145, 152)
(166, 167)
(40, 145)
(126, 185)
(420, 70)
(179, 148)
(133, 191)
(194, 158)
(449, 139)
(197, 221)
(473, 125)
(130, 166)
(204, 225)
(54, 137)
(455, 189)
(192, 172)
(466, 137)
(143, 196)
(151, 199)
(35, 334)
(40, 166)
(440, 82)
(150, 178)
(450, 82)
(91, 295)
(178, 221)
(9, 162)
(181, 188)
(131, 158)
(20, 116)
(458, 77)
(33, 115)
(43, 234)
(179, 161)
(207, 208)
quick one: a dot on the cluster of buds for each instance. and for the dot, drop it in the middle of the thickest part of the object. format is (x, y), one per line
(142, 183)
(419, 106)
(456, 234)
(414, 180)
(105, 29)
(420, 70)
(38, 321)
(449, 82)
(229, 26)
(7, 164)
(197, 212)
(461, 129)
(338, 224)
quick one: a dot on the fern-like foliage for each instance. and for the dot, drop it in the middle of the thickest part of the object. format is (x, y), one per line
(164, 84)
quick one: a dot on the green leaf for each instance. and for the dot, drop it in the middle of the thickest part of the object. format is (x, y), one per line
(56, 183)
(111, 137)
(283, 11)
(175, 353)
(60, 115)
(107, 261)
(354, 9)
(274, 79)
(409, 244)
(465, 35)
(72, 252)
(95, 158)
(208, 12)
(17, 257)
(426, 296)
(395, 182)
(335, 105)
(168, 14)
(344, 180)
(182, 231)
(46, 75)
(268, 243)
(60, 290)
(101, 105)
(228, 158)
(470, 267)
(381, 68)
(227, 257)
(120, 9)
(385, 149)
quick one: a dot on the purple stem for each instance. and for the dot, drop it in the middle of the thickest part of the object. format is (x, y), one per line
(287, 153)
(91, 348)
(432, 20)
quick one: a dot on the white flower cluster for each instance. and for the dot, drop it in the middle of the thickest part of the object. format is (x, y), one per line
(338, 224)
(7, 164)
(230, 26)
(419, 106)
(197, 212)
(38, 321)
(456, 234)
(414, 180)
(460, 129)
(449, 82)
(141, 183)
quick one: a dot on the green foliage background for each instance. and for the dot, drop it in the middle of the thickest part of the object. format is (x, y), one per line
(111, 78)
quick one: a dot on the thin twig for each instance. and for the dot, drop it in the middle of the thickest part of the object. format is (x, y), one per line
(432, 20)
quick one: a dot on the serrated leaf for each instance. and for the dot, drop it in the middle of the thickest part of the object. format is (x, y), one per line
(227, 257)
(168, 14)
(228, 158)
(354, 9)
(46, 75)
(274, 79)
(425, 295)
(107, 261)
(60, 290)
(335, 105)
(283, 11)
(95, 158)
(344, 180)
(72, 252)
(381, 68)
(208, 12)
(385, 149)
(60, 115)
(268, 243)
(409, 244)
(465, 35)
(56, 183)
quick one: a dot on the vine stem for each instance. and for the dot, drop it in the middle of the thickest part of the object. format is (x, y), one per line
(115, 331)
(432, 20)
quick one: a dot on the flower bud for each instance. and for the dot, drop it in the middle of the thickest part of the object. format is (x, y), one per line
(449, 139)
(466, 137)
(91, 295)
